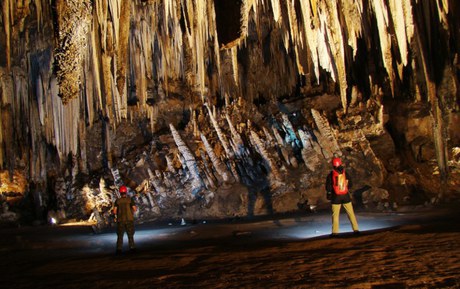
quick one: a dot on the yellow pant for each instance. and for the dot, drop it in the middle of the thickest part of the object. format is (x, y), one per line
(336, 213)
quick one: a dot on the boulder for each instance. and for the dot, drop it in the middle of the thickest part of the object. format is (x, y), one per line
(375, 197)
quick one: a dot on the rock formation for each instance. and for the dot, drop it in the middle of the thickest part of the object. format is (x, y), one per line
(198, 106)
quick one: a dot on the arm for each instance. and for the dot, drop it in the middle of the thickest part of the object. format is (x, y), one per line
(329, 188)
(329, 183)
(133, 206)
(350, 184)
(115, 208)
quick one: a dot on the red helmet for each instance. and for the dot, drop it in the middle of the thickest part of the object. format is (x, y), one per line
(336, 162)
(123, 190)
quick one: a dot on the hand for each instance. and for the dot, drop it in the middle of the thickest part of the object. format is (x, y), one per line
(328, 195)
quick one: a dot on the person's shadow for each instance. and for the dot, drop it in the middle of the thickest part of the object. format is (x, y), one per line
(254, 176)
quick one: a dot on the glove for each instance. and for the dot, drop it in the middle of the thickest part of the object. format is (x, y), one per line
(329, 195)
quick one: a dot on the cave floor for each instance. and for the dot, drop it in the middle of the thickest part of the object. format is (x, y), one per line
(413, 248)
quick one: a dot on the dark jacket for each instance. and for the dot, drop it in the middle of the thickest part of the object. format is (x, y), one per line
(337, 199)
(125, 211)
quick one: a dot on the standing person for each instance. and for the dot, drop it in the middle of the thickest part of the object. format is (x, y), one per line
(124, 210)
(337, 185)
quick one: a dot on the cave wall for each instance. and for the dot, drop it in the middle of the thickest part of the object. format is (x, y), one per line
(88, 85)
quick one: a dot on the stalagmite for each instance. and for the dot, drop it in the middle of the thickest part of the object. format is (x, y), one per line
(220, 134)
(291, 137)
(217, 164)
(330, 142)
(190, 161)
(263, 152)
(170, 164)
(309, 155)
(210, 178)
(156, 183)
(236, 137)
(369, 153)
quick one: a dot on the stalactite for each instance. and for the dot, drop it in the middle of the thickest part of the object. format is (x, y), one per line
(190, 161)
(426, 44)
(382, 18)
(352, 11)
(7, 26)
(311, 27)
(218, 165)
(276, 10)
(329, 15)
(234, 54)
(73, 20)
(401, 12)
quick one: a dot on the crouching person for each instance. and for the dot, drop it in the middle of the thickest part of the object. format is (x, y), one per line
(124, 210)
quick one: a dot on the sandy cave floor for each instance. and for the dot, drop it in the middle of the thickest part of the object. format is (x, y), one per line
(417, 248)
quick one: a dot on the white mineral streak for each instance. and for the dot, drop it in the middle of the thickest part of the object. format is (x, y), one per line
(265, 155)
(381, 15)
(216, 162)
(190, 161)
(330, 142)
